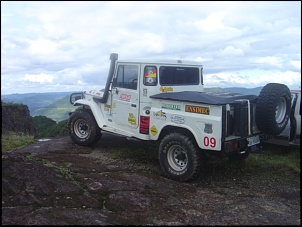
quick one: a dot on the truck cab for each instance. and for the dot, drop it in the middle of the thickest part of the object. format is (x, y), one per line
(128, 106)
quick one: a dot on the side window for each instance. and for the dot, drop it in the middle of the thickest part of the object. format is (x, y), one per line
(150, 76)
(127, 76)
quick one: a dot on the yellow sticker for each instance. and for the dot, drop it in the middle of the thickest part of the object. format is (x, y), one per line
(153, 130)
(166, 89)
(131, 119)
(106, 107)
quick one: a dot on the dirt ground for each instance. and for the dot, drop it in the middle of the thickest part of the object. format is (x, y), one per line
(56, 182)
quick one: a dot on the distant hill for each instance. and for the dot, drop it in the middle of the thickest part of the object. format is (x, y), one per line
(57, 110)
(34, 100)
(245, 91)
(215, 89)
(234, 90)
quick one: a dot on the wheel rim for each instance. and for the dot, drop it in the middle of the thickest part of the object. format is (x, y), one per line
(177, 158)
(81, 128)
(280, 110)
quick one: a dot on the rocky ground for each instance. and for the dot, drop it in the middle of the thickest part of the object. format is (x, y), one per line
(56, 182)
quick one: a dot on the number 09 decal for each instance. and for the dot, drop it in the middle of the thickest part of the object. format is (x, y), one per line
(209, 142)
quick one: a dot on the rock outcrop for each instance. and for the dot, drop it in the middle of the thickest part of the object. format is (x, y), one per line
(16, 117)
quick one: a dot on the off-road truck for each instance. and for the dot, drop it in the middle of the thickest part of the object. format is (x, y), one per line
(163, 101)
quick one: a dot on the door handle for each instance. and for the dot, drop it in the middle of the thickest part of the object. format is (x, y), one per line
(114, 90)
(133, 105)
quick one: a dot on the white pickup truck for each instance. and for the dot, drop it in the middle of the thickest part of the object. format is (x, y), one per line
(163, 101)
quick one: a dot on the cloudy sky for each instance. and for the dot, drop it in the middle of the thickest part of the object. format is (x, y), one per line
(65, 46)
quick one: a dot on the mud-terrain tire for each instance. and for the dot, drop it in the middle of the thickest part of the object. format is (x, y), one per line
(273, 108)
(179, 157)
(83, 129)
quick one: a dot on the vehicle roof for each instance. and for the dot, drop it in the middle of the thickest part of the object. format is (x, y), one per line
(161, 61)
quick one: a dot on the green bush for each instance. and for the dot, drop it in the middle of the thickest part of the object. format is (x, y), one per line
(57, 130)
(42, 124)
(46, 127)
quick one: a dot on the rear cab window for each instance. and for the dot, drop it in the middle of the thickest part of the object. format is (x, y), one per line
(178, 76)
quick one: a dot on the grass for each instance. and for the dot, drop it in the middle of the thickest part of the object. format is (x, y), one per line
(279, 158)
(13, 141)
(272, 165)
(277, 161)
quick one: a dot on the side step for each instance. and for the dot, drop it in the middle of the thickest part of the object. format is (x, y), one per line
(117, 131)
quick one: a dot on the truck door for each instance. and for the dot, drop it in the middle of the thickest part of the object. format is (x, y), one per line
(125, 96)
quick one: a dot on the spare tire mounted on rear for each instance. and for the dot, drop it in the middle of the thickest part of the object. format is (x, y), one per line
(273, 108)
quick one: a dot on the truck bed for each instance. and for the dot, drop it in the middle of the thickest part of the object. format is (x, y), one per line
(203, 97)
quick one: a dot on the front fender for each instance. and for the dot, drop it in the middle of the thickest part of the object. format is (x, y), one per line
(95, 109)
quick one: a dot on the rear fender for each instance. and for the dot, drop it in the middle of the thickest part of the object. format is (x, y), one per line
(180, 128)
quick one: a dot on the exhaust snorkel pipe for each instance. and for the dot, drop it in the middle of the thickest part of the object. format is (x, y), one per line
(113, 58)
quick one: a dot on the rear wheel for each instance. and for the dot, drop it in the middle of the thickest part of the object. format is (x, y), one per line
(83, 129)
(179, 157)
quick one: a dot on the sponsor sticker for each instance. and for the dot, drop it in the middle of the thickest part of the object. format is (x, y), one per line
(153, 130)
(170, 106)
(208, 128)
(144, 125)
(125, 97)
(131, 119)
(106, 107)
(160, 115)
(166, 89)
(151, 73)
(198, 109)
(178, 119)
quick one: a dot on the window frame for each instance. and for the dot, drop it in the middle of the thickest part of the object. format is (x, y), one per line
(145, 80)
(123, 74)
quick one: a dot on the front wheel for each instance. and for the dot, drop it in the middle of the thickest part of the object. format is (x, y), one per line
(83, 129)
(179, 157)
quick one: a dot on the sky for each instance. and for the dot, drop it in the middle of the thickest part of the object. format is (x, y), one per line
(55, 46)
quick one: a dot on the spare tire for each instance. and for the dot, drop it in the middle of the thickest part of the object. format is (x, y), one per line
(273, 108)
